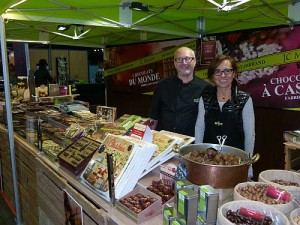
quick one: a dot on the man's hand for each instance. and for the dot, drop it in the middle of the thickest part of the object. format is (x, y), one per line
(153, 124)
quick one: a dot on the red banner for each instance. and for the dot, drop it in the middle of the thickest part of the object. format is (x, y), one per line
(138, 68)
(268, 59)
(268, 63)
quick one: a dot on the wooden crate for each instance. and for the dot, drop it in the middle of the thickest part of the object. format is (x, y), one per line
(43, 218)
(88, 207)
(4, 141)
(26, 178)
(87, 220)
(49, 184)
(26, 156)
(29, 208)
(5, 158)
(50, 198)
(53, 214)
(49, 193)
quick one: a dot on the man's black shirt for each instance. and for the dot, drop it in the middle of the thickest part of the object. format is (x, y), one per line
(175, 104)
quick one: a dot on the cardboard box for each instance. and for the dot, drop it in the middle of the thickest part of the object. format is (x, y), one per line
(167, 173)
(106, 114)
(129, 122)
(151, 211)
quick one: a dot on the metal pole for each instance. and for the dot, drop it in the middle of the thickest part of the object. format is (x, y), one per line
(9, 119)
(27, 58)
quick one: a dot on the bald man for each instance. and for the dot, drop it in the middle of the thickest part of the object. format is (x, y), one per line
(175, 99)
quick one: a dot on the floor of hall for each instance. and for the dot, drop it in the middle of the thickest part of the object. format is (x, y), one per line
(6, 215)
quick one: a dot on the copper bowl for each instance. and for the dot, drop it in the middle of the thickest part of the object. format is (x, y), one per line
(218, 176)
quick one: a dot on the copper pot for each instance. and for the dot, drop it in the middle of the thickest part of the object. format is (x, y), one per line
(218, 176)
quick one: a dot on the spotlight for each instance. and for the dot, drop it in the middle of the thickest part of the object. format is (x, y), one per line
(80, 28)
(139, 6)
(63, 27)
(201, 25)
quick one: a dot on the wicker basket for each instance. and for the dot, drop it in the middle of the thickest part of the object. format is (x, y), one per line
(268, 175)
(284, 208)
(294, 213)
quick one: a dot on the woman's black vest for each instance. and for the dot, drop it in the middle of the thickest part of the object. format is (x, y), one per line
(228, 121)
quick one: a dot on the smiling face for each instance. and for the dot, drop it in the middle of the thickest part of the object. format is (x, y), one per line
(184, 61)
(224, 75)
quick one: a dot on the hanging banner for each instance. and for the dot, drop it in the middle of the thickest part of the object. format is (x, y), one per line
(138, 68)
(268, 60)
(208, 50)
(269, 64)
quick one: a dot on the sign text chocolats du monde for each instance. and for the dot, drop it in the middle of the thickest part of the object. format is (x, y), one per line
(144, 78)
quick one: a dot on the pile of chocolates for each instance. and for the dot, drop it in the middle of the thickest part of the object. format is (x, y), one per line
(258, 192)
(285, 183)
(165, 191)
(214, 157)
(138, 202)
(234, 217)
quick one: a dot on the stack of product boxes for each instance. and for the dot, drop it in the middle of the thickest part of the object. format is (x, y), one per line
(192, 205)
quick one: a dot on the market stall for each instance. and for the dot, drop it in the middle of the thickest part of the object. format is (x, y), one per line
(45, 178)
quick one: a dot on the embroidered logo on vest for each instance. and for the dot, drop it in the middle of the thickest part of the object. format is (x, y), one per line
(218, 123)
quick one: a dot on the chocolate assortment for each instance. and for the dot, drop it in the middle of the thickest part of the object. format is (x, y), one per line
(138, 202)
(214, 157)
(52, 149)
(165, 191)
(285, 182)
(77, 155)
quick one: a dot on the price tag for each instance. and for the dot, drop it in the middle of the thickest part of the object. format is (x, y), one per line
(181, 172)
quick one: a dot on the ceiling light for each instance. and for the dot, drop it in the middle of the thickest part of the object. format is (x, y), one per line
(80, 28)
(228, 5)
(27, 41)
(201, 25)
(139, 6)
(18, 3)
(63, 27)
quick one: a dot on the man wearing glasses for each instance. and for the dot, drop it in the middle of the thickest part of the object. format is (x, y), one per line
(175, 99)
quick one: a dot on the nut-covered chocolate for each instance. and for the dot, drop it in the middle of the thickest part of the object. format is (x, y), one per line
(137, 203)
(234, 217)
(258, 192)
(214, 157)
(285, 182)
(165, 191)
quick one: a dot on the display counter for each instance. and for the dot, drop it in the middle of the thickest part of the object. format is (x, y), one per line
(41, 182)
(52, 98)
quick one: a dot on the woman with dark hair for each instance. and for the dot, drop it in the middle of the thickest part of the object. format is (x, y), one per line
(225, 110)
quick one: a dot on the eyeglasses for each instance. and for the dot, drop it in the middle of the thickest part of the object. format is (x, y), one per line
(186, 59)
(227, 72)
